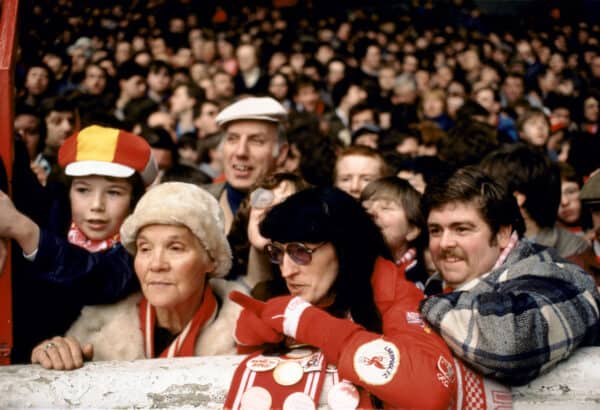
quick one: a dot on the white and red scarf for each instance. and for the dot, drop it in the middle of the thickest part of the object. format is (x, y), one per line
(77, 237)
(184, 343)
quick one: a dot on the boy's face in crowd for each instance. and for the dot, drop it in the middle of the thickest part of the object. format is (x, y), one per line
(37, 80)
(461, 243)
(224, 87)
(59, 125)
(206, 122)
(354, 172)
(390, 217)
(569, 210)
(28, 127)
(134, 87)
(250, 152)
(307, 97)
(100, 204)
(180, 101)
(95, 80)
(536, 131)
(159, 80)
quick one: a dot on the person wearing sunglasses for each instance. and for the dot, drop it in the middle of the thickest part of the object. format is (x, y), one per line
(356, 320)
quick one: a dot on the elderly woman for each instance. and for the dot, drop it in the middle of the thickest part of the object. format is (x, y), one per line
(357, 319)
(180, 251)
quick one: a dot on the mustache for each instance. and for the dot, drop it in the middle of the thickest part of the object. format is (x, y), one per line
(453, 253)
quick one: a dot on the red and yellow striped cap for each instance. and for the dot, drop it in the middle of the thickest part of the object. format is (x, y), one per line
(97, 150)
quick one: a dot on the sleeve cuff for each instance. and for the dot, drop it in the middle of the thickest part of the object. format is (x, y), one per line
(31, 256)
(292, 314)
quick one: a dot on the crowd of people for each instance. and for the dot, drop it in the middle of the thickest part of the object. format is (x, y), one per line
(388, 204)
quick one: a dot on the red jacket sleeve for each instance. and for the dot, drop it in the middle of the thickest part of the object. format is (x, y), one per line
(409, 366)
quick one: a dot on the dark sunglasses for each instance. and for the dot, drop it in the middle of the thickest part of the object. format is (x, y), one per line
(300, 253)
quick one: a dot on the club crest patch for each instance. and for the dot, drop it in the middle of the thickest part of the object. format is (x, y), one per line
(376, 362)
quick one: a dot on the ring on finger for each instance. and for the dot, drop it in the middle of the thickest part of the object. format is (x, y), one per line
(49, 345)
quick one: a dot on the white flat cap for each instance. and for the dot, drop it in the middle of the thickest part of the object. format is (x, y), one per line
(252, 108)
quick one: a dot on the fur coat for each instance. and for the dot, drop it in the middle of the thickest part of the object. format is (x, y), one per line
(115, 330)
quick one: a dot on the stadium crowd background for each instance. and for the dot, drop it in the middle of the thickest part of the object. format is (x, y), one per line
(430, 85)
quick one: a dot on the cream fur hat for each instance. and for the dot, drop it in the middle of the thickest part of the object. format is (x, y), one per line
(178, 203)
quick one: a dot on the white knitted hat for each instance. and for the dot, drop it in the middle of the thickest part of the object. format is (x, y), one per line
(178, 203)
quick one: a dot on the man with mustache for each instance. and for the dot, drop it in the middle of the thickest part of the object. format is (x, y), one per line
(510, 308)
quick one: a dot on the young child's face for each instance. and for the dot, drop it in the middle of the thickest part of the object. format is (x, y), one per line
(390, 217)
(100, 204)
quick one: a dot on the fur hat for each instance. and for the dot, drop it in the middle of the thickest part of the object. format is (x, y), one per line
(178, 203)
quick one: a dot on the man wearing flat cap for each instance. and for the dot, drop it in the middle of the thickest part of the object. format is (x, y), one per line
(253, 146)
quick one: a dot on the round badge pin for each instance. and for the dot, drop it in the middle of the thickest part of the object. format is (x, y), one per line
(288, 373)
(256, 398)
(298, 401)
(343, 395)
(299, 353)
(262, 363)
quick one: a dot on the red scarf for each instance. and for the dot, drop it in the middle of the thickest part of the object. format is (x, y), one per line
(77, 237)
(184, 343)
(407, 261)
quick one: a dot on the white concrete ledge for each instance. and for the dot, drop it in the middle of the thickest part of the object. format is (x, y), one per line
(203, 383)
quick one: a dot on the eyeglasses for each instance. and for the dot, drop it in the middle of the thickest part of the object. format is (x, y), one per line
(300, 253)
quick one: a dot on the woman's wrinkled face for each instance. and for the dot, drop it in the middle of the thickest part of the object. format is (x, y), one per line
(171, 265)
(263, 203)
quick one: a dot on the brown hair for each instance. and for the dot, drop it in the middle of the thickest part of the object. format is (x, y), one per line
(361, 151)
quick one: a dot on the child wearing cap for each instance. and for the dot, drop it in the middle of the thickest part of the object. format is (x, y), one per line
(108, 170)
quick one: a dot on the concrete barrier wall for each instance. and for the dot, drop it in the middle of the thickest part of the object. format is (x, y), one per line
(203, 383)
